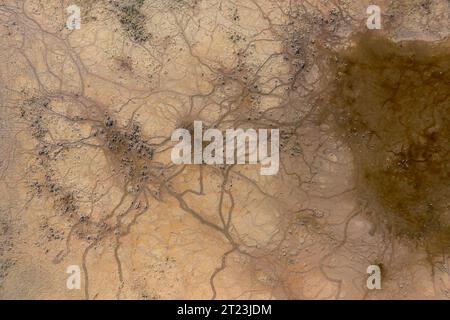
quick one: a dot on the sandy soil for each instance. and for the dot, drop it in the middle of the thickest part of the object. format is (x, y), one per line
(86, 177)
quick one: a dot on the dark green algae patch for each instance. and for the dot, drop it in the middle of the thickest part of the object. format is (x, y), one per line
(390, 103)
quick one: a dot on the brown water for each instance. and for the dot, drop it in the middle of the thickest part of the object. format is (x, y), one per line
(391, 103)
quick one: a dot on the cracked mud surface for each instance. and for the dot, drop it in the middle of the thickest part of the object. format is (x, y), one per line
(86, 176)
